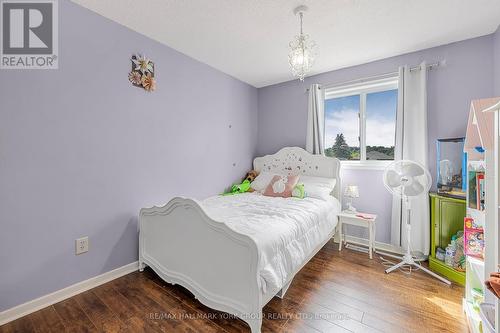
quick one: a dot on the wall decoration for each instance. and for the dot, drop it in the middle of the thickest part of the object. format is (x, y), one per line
(135, 78)
(143, 73)
(148, 82)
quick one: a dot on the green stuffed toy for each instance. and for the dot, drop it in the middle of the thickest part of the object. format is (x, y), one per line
(245, 184)
(299, 191)
(239, 188)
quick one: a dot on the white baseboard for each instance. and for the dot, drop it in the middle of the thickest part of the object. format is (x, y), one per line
(378, 245)
(62, 294)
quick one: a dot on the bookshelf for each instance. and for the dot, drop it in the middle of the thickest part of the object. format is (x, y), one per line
(482, 206)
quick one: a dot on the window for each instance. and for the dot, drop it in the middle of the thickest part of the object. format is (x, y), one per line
(360, 121)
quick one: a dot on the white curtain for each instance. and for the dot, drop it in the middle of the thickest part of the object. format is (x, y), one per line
(315, 120)
(411, 144)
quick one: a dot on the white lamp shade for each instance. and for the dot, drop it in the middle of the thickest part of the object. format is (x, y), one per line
(352, 191)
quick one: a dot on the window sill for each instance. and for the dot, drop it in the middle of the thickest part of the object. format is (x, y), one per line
(365, 165)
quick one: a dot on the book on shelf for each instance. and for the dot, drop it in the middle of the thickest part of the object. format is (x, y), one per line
(472, 190)
(476, 190)
(480, 190)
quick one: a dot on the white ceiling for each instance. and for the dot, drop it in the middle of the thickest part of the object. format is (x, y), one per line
(248, 39)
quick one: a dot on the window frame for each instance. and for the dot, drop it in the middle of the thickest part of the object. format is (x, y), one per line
(362, 89)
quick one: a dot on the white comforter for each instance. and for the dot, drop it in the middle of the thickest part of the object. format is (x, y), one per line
(286, 231)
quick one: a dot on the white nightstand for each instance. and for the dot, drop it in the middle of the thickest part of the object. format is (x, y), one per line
(352, 219)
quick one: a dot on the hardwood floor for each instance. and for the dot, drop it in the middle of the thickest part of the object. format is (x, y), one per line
(334, 292)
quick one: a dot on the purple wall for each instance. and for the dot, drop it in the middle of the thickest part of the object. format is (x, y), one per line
(467, 75)
(374, 198)
(496, 47)
(81, 151)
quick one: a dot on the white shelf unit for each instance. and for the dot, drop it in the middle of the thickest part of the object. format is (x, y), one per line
(473, 318)
(483, 130)
(476, 269)
(492, 181)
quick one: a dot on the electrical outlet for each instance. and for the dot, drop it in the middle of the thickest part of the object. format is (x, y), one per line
(82, 245)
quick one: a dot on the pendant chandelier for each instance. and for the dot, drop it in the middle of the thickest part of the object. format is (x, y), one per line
(302, 50)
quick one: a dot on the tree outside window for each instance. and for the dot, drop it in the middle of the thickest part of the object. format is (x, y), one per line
(360, 122)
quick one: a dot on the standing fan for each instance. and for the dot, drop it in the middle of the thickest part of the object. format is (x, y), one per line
(408, 179)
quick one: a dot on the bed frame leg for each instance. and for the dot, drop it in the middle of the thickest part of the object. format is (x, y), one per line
(142, 265)
(283, 290)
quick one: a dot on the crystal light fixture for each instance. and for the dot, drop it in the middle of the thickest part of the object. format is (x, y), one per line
(302, 50)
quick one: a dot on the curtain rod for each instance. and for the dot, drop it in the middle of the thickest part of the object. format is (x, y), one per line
(381, 76)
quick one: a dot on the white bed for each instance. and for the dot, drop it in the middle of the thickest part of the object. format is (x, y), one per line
(235, 253)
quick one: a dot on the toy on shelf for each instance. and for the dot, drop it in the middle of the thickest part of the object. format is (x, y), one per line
(449, 255)
(459, 258)
(453, 256)
(477, 297)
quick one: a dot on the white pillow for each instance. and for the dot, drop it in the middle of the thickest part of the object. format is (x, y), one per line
(318, 187)
(319, 181)
(260, 182)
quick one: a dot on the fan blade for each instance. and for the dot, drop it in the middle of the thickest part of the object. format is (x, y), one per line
(393, 178)
(414, 189)
(411, 169)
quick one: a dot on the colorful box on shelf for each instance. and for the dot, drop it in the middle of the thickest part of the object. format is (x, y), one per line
(473, 238)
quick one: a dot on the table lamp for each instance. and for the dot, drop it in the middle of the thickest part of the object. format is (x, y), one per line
(351, 192)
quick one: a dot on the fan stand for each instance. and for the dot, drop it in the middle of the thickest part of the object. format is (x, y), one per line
(408, 258)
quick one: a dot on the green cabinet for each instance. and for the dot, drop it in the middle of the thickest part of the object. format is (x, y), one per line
(447, 217)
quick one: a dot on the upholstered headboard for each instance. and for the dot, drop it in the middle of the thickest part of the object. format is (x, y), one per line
(297, 161)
